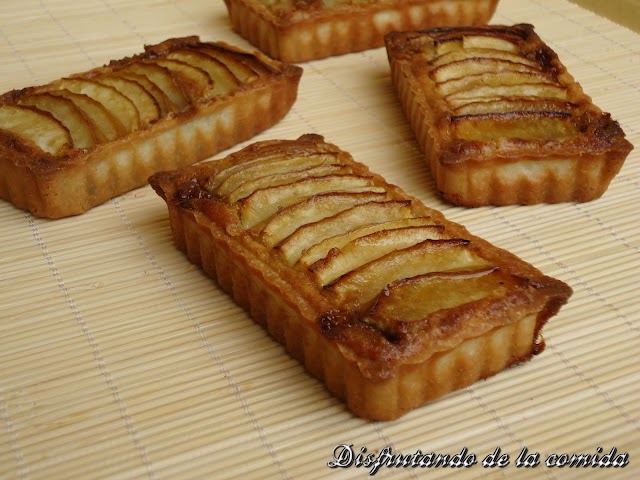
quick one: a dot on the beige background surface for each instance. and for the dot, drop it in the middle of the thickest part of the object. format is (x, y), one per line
(119, 359)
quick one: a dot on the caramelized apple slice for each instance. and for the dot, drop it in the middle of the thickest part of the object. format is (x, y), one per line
(106, 126)
(224, 80)
(312, 209)
(503, 105)
(234, 62)
(495, 92)
(321, 250)
(365, 214)
(496, 43)
(474, 41)
(522, 125)
(67, 113)
(247, 188)
(36, 126)
(144, 102)
(362, 285)
(368, 248)
(159, 96)
(263, 203)
(163, 78)
(233, 54)
(114, 101)
(198, 83)
(404, 299)
(231, 178)
(475, 66)
(492, 79)
(478, 53)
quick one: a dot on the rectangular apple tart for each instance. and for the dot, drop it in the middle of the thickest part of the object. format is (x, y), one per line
(500, 119)
(78, 141)
(377, 295)
(303, 30)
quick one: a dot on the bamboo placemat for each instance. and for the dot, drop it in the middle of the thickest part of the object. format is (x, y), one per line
(119, 359)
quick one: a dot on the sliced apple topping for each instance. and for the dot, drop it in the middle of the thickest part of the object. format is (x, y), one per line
(474, 66)
(524, 125)
(494, 87)
(455, 43)
(114, 101)
(361, 286)
(106, 126)
(265, 202)
(67, 113)
(154, 90)
(37, 126)
(128, 95)
(232, 177)
(145, 103)
(163, 78)
(224, 80)
(404, 300)
(519, 90)
(473, 83)
(515, 104)
(247, 188)
(321, 249)
(497, 43)
(243, 66)
(368, 248)
(481, 53)
(195, 82)
(310, 210)
(312, 233)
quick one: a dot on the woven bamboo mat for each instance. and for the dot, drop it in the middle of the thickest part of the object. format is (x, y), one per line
(119, 359)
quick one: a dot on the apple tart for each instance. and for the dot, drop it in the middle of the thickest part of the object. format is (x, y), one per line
(377, 295)
(499, 118)
(303, 30)
(78, 141)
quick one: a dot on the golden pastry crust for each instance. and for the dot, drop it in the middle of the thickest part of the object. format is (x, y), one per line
(303, 30)
(500, 119)
(379, 296)
(78, 141)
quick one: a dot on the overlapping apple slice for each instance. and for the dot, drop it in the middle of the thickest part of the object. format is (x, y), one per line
(309, 235)
(314, 209)
(224, 80)
(199, 82)
(467, 69)
(260, 205)
(66, 112)
(475, 82)
(105, 125)
(167, 81)
(231, 179)
(116, 102)
(513, 104)
(404, 298)
(336, 242)
(131, 94)
(362, 285)
(285, 178)
(365, 247)
(496, 91)
(145, 103)
(523, 125)
(243, 66)
(36, 126)
(455, 43)
(480, 53)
